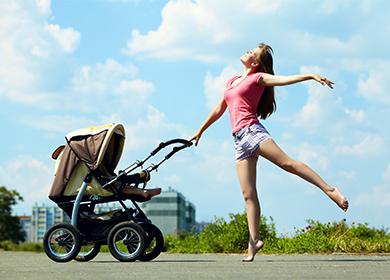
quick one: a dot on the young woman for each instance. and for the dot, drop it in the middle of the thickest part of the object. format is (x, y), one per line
(249, 97)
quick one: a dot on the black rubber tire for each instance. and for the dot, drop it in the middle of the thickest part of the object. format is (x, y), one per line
(154, 242)
(68, 242)
(123, 247)
(81, 257)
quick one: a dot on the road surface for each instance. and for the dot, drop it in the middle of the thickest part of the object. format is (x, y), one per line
(28, 265)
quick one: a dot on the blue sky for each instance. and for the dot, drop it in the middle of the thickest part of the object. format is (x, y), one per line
(159, 67)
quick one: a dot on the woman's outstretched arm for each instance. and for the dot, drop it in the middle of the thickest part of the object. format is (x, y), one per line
(214, 115)
(272, 80)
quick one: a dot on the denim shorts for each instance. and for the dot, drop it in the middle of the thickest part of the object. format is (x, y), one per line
(248, 139)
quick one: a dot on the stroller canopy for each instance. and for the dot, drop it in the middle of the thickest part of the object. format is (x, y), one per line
(99, 147)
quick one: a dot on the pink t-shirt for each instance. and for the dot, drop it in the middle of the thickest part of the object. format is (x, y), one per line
(242, 100)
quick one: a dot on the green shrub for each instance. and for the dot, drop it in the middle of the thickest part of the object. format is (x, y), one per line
(8, 245)
(220, 236)
(232, 237)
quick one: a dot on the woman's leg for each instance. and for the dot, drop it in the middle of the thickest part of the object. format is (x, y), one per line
(246, 171)
(271, 151)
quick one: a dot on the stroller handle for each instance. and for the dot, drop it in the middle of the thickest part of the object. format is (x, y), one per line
(185, 143)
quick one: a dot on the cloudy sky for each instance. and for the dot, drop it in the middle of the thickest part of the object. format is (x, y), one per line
(159, 67)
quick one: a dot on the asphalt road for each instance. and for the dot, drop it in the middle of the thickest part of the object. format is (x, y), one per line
(26, 265)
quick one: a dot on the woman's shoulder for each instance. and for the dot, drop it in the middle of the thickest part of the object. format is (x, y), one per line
(256, 77)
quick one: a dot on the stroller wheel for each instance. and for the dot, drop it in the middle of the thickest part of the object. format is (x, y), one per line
(126, 241)
(87, 252)
(154, 242)
(62, 242)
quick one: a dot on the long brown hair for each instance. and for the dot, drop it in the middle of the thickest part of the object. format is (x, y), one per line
(267, 104)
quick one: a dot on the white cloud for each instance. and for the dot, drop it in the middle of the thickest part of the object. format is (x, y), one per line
(348, 174)
(216, 163)
(313, 114)
(370, 145)
(151, 129)
(67, 38)
(200, 29)
(44, 6)
(375, 201)
(189, 28)
(357, 116)
(378, 196)
(375, 87)
(314, 155)
(56, 123)
(111, 83)
(135, 86)
(28, 49)
(321, 107)
(33, 185)
(101, 77)
(173, 180)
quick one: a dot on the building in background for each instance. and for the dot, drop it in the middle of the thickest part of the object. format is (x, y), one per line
(170, 212)
(25, 222)
(42, 218)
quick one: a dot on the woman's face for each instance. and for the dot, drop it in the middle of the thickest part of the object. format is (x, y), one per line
(249, 58)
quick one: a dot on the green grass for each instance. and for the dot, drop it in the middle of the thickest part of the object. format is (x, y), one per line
(323, 238)
(7, 245)
(232, 237)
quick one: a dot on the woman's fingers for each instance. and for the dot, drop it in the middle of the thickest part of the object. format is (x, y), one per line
(324, 81)
(196, 138)
(328, 82)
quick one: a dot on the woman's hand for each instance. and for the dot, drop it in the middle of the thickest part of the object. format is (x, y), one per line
(323, 80)
(214, 115)
(196, 137)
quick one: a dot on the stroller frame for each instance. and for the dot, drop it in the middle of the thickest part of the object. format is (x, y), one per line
(131, 227)
(125, 172)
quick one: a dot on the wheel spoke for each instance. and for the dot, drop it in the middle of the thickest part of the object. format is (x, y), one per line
(61, 242)
(126, 242)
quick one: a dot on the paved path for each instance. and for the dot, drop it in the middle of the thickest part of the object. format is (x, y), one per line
(26, 265)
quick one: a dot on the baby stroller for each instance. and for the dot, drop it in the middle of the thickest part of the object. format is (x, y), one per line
(84, 177)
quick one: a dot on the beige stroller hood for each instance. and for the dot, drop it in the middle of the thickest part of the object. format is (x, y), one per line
(95, 148)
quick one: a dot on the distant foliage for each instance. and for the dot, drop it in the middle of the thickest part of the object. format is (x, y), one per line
(232, 237)
(333, 238)
(10, 228)
(7, 245)
(220, 236)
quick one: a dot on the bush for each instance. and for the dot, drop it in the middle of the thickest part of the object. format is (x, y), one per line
(8, 245)
(220, 236)
(232, 237)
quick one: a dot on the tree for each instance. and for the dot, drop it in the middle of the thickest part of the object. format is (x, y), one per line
(10, 227)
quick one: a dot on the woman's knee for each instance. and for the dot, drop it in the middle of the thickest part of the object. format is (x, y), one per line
(249, 194)
(291, 165)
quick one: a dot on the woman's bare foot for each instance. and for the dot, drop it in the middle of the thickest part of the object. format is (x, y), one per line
(252, 250)
(338, 198)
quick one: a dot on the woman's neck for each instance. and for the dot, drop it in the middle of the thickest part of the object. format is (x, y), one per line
(248, 71)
